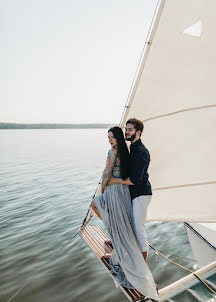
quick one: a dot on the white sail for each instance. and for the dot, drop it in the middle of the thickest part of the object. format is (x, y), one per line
(174, 93)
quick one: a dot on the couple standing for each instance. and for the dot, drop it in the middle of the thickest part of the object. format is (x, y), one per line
(125, 178)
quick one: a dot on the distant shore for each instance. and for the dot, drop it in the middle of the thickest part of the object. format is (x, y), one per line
(53, 126)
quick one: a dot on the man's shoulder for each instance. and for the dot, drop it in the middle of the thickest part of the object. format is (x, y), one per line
(142, 148)
(141, 151)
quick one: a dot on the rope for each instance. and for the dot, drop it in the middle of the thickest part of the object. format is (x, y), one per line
(86, 219)
(181, 266)
(174, 255)
(33, 276)
(85, 222)
(38, 271)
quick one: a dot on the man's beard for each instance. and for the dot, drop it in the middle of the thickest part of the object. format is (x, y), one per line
(130, 139)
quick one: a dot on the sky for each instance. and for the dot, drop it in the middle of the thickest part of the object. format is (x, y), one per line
(67, 61)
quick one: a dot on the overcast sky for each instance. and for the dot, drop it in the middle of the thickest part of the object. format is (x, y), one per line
(67, 61)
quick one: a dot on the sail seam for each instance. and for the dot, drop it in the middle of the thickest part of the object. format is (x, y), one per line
(184, 185)
(179, 111)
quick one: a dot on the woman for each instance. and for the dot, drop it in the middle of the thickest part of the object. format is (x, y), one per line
(114, 207)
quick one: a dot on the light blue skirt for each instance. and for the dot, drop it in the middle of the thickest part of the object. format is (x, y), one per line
(127, 264)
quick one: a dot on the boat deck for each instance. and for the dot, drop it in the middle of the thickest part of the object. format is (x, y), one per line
(188, 288)
(95, 239)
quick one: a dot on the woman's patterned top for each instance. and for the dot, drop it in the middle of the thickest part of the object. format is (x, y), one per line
(112, 167)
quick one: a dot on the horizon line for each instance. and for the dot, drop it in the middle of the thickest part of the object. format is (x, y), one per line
(53, 123)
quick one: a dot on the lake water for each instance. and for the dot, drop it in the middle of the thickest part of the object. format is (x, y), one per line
(47, 180)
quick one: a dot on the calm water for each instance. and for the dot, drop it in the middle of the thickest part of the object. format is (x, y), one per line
(47, 179)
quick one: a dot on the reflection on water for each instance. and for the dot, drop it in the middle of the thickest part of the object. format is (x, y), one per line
(47, 179)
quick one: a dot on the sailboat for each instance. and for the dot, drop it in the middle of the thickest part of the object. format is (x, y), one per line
(174, 94)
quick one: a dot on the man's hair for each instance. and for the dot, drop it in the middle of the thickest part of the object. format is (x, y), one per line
(138, 125)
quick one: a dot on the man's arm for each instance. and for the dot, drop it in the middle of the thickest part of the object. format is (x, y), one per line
(116, 180)
(139, 163)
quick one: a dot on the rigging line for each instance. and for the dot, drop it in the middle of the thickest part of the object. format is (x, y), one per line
(85, 222)
(38, 271)
(86, 219)
(181, 266)
(185, 185)
(179, 111)
(146, 44)
(178, 256)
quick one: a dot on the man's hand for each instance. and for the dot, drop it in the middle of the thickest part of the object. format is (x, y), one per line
(113, 180)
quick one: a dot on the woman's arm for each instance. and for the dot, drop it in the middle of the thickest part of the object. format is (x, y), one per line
(115, 180)
(107, 172)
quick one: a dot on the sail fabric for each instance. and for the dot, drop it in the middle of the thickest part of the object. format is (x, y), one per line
(174, 93)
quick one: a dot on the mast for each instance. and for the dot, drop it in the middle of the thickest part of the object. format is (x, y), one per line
(147, 45)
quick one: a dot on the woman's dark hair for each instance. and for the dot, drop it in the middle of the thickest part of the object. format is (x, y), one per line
(123, 152)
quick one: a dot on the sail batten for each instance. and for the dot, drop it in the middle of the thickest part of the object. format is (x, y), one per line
(185, 185)
(174, 94)
(179, 111)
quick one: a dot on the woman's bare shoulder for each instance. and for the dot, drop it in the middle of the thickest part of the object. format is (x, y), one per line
(113, 151)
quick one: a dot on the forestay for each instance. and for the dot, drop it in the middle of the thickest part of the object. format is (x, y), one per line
(174, 93)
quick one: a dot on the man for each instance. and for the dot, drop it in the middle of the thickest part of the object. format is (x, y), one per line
(140, 187)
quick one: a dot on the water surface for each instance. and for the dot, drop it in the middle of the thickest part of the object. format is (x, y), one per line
(47, 180)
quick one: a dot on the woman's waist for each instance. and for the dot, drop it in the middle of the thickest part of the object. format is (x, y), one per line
(116, 174)
(118, 185)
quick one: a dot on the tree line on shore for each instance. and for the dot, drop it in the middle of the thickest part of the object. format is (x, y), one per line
(52, 126)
